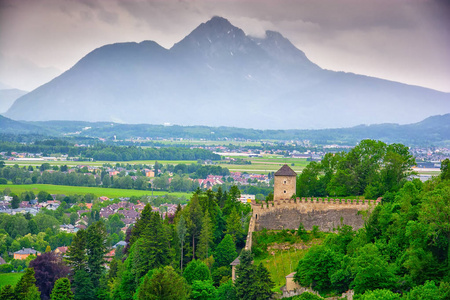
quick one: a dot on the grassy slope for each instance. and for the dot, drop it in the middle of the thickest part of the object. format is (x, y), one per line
(71, 190)
(9, 278)
(283, 253)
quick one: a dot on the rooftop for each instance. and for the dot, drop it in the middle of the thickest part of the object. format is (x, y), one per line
(285, 170)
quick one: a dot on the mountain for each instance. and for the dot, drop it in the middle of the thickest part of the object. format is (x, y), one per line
(219, 76)
(16, 127)
(8, 96)
(434, 130)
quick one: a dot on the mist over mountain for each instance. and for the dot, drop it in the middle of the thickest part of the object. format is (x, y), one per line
(8, 96)
(218, 76)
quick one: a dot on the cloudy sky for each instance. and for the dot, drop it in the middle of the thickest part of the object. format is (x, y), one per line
(401, 40)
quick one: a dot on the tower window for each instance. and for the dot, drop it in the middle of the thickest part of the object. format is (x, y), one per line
(285, 192)
(285, 182)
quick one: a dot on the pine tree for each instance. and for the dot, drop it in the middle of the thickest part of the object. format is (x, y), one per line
(25, 283)
(206, 237)
(62, 290)
(194, 221)
(96, 250)
(252, 283)
(84, 289)
(7, 292)
(181, 231)
(76, 255)
(234, 227)
(225, 252)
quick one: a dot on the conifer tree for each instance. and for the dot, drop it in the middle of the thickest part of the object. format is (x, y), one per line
(25, 283)
(96, 250)
(7, 292)
(181, 231)
(206, 237)
(225, 252)
(62, 290)
(234, 227)
(76, 255)
(194, 221)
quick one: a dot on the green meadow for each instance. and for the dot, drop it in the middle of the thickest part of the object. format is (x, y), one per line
(80, 190)
(9, 278)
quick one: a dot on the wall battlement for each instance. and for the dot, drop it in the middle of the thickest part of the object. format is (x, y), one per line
(327, 213)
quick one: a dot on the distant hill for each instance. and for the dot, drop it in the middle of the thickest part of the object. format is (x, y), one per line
(218, 76)
(8, 96)
(16, 127)
(431, 131)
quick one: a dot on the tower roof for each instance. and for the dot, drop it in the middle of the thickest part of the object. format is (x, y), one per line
(285, 170)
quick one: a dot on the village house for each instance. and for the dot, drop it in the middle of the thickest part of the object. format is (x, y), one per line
(61, 251)
(25, 252)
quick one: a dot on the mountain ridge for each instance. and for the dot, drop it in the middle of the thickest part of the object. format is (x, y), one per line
(432, 131)
(218, 76)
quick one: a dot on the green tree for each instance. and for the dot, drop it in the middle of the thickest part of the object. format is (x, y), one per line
(181, 232)
(370, 270)
(15, 201)
(84, 289)
(234, 227)
(225, 252)
(26, 282)
(62, 290)
(206, 237)
(196, 270)
(252, 282)
(96, 249)
(194, 221)
(227, 291)
(76, 255)
(445, 169)
(203, 290)
(7, 292)
(163, 284)
(316, 267)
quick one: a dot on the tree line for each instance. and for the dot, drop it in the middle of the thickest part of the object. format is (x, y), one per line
(372, 169)
(108, 152)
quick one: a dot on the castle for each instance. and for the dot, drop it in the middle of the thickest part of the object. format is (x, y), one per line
(287, 212)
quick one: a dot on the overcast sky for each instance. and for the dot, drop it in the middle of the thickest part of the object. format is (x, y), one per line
(401, 40)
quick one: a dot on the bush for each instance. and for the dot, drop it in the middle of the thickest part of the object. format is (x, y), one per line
(6, 268)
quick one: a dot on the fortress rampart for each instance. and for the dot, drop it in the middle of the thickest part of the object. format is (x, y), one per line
(327, 213)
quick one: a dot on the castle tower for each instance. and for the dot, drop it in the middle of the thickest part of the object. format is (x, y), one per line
(284, 183)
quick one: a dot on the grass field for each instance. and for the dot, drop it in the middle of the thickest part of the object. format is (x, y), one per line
(266, 164)
(71, 190)
(9, 278)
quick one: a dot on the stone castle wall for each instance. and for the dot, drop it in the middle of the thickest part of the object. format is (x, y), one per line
(327, 213)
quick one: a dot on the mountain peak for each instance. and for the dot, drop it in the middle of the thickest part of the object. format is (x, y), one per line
(216, 37)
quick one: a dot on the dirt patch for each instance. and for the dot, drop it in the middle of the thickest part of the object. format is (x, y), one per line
(288, 246)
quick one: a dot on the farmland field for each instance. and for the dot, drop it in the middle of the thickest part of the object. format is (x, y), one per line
(71, 190)
(266, 164)
(9, 278)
